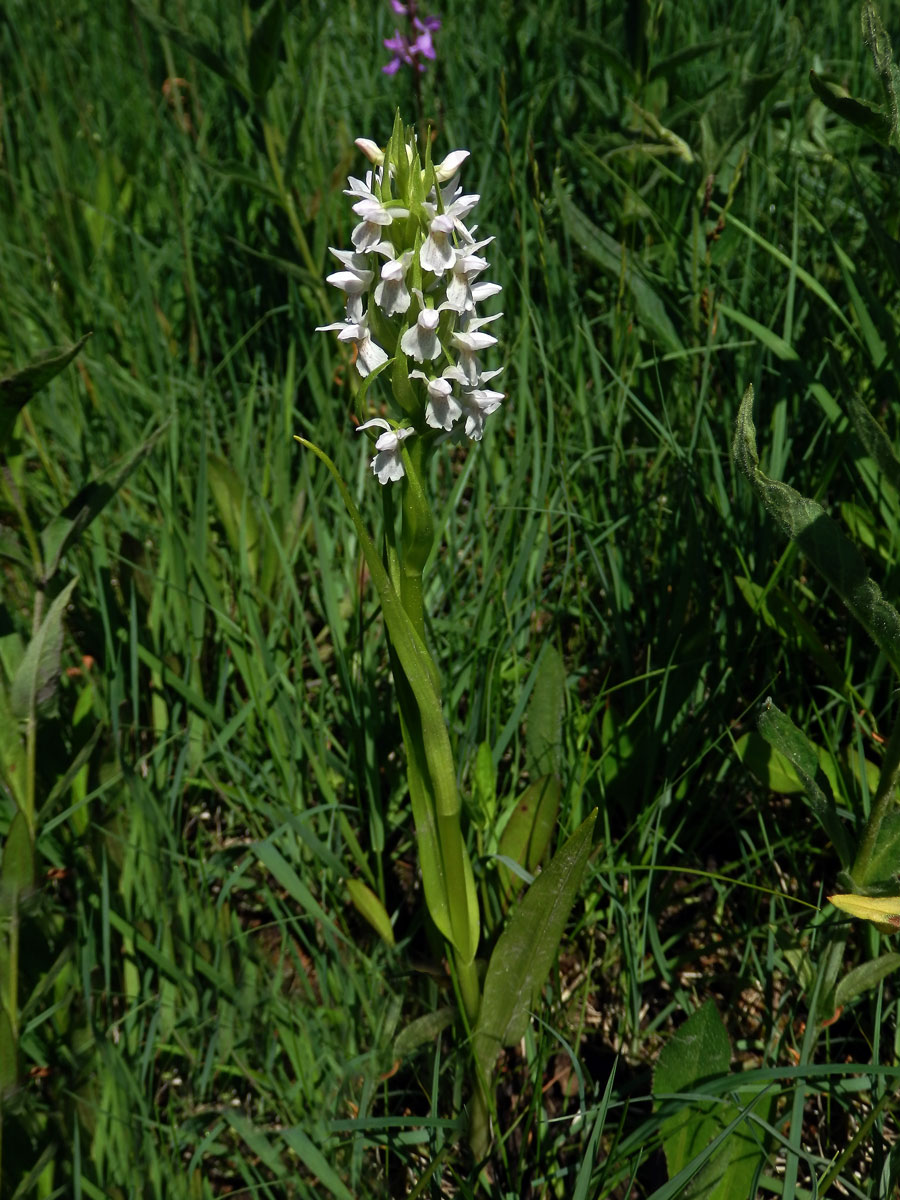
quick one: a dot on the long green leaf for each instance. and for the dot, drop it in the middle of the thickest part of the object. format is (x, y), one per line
(821, 540)
(316, 1162)
(867, 975)
(265, 44)
(783, 735)
(16, 864)
(699, 1049)
(528, 831)
(67, 526)
(18, 386)
(35, 680)
(613, 258)
(543, 736)
(876, 441)
(456, 880)
(369, 906)
(526, 949)
(865, 116)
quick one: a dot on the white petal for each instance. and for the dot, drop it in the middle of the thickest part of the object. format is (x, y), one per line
(448, 167)
(371, 150)
(481, 291)
(352, 282)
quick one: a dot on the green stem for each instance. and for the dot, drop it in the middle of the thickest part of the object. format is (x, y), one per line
(884, 797)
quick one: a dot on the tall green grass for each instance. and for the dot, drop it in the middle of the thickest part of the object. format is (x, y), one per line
(677, 217)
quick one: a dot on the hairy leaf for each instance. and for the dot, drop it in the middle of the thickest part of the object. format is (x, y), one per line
(821, 540)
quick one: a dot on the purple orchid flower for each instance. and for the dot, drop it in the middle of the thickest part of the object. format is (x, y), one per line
(408, 50)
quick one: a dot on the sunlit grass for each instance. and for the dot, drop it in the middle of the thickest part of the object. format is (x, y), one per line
(204, 1011)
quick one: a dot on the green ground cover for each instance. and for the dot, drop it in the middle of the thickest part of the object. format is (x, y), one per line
(201, 1010)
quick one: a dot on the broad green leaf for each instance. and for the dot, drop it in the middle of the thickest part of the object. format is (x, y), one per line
(864, 977)
(609, 254)
(440, 835)
(371, 909)
(699, 1051)
(883, 910)
(780, 732)
(777, 772)
(18, 386)
(35, 680)
(16, 864)
(423, 1030)
(772, 769)
(265, 46)
(12, 548)
(8, 1056)
(525, 951)
(67, 526)
(529, 830)
(865, 116)
(821, 540)
(543, 735)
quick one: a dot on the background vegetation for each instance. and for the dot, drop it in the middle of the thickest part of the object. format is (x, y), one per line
(204, 1012)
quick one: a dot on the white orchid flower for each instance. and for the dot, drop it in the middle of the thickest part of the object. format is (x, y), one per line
(388, 461)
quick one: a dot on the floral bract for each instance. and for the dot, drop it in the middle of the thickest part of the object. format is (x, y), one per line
(412, 288)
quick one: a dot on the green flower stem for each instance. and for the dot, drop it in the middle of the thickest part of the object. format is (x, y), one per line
(884, 798)
(433, 782)
(418, 537)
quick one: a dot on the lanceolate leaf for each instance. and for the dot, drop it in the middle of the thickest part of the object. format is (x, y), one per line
(525, 950)
(876, 442)
(17, 388)
(370, 907)
(821, 540)
(700, 1049)
(872, 120)
(613, 258)
(867, 975)
(67, 526)
(781, 733)
(35, 680)
(545, 713)
(16, 864)
(265, 44)
(529, 829)
(883, 910)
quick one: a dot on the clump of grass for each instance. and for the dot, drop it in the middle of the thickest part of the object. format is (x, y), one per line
(203, 1010)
